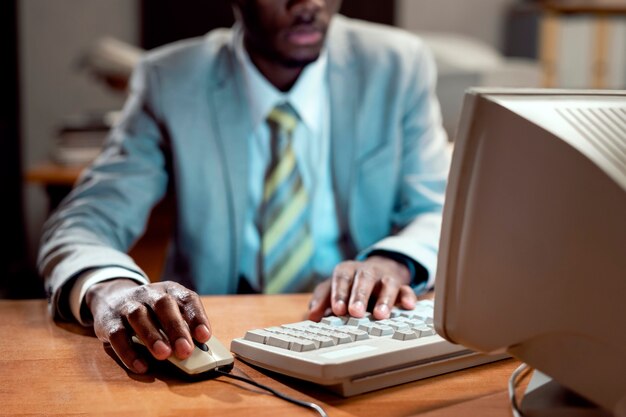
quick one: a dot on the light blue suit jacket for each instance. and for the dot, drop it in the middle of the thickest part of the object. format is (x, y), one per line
(185, 128)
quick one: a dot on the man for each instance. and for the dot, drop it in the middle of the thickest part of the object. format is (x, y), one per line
(207, 119)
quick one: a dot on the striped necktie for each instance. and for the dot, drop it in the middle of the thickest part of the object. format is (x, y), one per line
(286, 243)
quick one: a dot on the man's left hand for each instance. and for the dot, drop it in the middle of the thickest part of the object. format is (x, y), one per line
(352, 284)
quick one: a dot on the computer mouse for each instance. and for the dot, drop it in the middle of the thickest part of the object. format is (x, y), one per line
(206, 357)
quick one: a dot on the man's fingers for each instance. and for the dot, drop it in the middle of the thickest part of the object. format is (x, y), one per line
(120, 342)
(194, 314)
(320, 301)
(389, 290)
(139, 318)
(167, 311)
(342, 279)
(407, 297)
(362, 288)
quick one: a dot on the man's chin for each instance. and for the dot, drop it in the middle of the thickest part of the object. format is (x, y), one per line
(300, 59)
(299, 62)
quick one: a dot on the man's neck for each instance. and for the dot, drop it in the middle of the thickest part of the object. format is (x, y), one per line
(283, 78)
(280, 76)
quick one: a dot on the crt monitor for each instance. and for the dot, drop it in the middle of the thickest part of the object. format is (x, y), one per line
(532, 257)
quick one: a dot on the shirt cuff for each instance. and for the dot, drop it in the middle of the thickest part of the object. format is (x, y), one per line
(92, 277)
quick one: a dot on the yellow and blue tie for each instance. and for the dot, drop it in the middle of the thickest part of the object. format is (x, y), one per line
(286, 243)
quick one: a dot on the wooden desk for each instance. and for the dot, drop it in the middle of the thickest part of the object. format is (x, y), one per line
(56, 179)
(57, 369)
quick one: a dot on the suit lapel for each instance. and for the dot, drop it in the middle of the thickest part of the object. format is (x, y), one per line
(233, 129)
(344, 84)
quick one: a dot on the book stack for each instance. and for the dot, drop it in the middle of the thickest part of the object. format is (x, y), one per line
(80, 137)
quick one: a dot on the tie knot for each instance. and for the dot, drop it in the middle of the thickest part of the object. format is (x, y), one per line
(284, 116)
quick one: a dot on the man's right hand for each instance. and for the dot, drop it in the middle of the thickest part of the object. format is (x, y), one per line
(121, 307)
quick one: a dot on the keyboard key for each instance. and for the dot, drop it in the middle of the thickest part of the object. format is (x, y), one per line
(279, 340)
(324, 341)
(394, 324)
(340, 338)
(311, 338)
(337, 337)
(355, 334)
(380, 330)
(404, 335)
(322, 326)
(366, 326)
(428, 320)
(398, 312)
(302, 345)
(333, 321)
(415, 322)
(423, 331)
(356, 321)
(274, 329)
(298, 325)
(258, 336)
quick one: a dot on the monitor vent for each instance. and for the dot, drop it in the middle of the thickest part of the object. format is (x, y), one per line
(604, 128)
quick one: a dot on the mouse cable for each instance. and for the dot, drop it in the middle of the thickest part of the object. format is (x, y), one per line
(517, 375)
(285, 397)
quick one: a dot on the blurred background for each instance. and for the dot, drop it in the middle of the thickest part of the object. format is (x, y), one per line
(67, 61)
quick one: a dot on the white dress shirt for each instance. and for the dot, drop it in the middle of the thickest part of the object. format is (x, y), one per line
(311, 141)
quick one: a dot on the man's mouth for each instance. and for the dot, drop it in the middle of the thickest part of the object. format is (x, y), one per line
(305, 35)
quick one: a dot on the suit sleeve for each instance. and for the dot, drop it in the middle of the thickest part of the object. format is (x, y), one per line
(108, 208)
(417, 216)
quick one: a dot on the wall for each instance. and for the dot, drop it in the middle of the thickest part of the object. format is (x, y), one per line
(485, 20)
(53, 34)
(480, 19)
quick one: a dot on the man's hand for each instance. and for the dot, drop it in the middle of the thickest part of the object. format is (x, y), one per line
(121, 307)
(349, 289)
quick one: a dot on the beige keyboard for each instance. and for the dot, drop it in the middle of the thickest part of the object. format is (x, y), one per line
(355, 355)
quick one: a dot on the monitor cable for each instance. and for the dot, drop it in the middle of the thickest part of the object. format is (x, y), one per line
(516, 377)
(285, 397)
